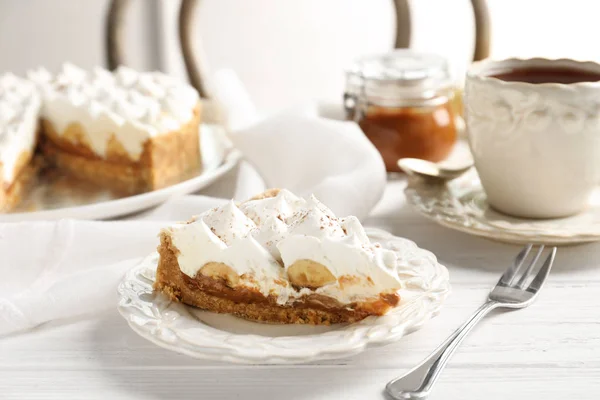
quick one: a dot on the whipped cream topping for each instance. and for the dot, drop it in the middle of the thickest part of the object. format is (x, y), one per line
(133, 106)
(261, 239)
(19, 109)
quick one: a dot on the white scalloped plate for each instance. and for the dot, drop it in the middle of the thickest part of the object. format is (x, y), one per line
(50, 200)
(461, 205)
(207, 335)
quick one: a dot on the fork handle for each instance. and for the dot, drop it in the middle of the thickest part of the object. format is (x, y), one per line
(417, 383)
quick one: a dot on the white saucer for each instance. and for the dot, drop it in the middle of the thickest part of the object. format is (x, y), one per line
(207, 335)
(461, 205)
(50, 200)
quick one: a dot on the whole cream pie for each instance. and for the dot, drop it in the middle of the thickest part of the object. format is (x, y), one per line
(278, 258)
(123, 130)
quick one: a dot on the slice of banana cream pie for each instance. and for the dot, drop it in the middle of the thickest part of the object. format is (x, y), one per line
(278, 258)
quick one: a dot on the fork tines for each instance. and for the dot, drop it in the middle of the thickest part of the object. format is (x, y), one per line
(527, 270)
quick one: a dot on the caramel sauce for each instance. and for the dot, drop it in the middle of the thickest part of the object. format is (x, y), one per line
(428, 132)
(220, 288)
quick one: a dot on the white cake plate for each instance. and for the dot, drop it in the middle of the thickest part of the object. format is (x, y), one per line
(206, 335)
(57, 199)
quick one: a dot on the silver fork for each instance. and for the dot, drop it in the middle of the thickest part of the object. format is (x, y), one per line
(517, 288)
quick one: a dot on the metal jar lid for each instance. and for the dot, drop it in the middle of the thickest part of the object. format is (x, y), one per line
(398, 77)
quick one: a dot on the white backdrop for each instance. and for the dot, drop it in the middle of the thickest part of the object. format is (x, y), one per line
(289, 51)
(49, 32)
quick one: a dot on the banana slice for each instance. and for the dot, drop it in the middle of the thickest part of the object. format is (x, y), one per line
(310, 274)
(220, 271)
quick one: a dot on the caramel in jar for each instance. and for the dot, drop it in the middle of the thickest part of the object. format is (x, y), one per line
(404, 103)
(427, 132)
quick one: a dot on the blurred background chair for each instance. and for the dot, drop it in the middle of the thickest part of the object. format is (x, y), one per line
(288, 52)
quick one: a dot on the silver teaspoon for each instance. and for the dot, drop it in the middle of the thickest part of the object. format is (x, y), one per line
(429, 170)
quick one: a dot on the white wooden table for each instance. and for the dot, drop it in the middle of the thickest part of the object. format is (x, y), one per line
(548, 351)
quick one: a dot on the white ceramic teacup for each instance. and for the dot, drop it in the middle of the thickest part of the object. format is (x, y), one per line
(536, 146)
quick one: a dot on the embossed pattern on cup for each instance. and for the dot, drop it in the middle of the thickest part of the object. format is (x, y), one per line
(536, 146)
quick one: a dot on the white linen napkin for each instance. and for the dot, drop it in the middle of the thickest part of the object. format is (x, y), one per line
(65, 269)
(53, 270)
(304, 152)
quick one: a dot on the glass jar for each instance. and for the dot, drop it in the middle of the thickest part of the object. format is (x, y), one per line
(402, 101)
